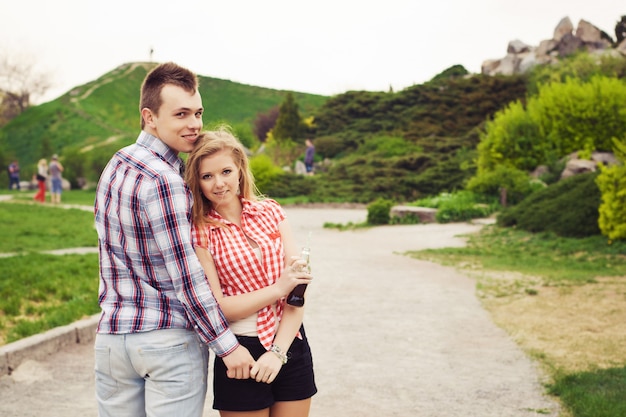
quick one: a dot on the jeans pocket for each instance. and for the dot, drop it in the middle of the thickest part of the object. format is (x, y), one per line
(174, 370)
(106, 385)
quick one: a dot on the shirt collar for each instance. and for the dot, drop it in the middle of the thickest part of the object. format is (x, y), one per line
(158, 147)
(249, 208)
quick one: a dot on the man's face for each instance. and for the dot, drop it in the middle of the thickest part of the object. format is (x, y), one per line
(179, 119)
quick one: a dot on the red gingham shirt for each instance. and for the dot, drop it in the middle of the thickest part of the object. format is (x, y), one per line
(239, 269)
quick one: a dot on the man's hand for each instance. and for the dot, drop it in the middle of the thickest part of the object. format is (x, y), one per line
(238, 363)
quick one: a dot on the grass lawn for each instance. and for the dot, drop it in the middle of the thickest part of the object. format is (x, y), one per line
(563, 301)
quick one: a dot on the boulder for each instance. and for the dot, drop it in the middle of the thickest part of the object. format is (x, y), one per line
(578, 166)
(565, 27)
(568, 45)
(521, 57)
(518, 47)
(605, 158)
(299, 167)
(546, 47)
(489, 66)
(587, 32)
(528, 61)
(425, 214)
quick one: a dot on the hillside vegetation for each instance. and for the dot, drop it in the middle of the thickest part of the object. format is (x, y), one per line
(103, 115)
(403, 146)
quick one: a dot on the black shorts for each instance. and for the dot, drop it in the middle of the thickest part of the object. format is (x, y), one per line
(295, 381)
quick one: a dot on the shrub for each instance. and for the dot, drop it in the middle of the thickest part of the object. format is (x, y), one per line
(463, 206)
(612, 184)
(568, 208)
(459, 206)
(264, 171)
(408, 218)
(388, 146)
(328, 146)
(378, 211)
(517, 183)
(291, 185)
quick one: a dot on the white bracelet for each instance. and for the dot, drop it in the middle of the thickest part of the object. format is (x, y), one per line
(279, 353)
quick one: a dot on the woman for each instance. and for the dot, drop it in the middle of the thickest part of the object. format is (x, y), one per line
(250, 259)
(42, 175)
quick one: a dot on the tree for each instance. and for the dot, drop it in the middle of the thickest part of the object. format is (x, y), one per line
(20, 83)
(620, 30)
(563, 117)
(264, 122)
(612, 184)
(289, 124)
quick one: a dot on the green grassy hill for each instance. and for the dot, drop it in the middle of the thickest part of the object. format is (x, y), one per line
(105, 112)
(402, 146)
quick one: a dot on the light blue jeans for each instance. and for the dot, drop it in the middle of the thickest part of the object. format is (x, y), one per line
(57, 185)
(162, 373)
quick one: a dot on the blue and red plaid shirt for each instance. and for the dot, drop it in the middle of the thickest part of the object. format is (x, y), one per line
(150, 277)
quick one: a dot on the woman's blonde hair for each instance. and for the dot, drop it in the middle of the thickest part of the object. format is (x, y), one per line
(210, 143)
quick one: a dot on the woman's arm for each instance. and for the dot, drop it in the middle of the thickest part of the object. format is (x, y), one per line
(241, 306)
(268, 365)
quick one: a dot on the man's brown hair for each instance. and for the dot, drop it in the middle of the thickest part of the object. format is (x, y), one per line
(163, 74)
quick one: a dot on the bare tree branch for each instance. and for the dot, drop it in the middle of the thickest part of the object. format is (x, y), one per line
(20, 82)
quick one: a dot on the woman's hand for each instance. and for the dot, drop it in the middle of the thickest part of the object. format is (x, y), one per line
(294, 274)
(266, 368)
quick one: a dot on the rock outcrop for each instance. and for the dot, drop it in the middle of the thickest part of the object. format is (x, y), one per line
(566, 40)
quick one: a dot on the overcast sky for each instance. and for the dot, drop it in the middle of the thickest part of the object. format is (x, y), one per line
(323, 47)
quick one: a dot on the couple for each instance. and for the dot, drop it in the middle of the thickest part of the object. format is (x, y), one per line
(188, 264)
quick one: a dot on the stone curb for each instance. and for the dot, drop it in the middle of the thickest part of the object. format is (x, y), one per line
(39, 346)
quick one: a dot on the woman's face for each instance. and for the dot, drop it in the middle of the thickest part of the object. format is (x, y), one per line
(219, 178)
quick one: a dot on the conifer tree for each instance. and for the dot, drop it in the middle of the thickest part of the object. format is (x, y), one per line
(620, 30)
(289, 124)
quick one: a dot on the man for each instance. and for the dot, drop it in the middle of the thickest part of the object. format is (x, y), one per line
(14, 175)
(55, 168)
(153, 291)
(308, 156)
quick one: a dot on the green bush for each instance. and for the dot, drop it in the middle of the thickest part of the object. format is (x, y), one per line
(388, 146)
(264, 171)
(612, 184)
(378, 211)
(328, 146)
(459, 206)
(408, 218)
(568, 208)
(465, 206)
(517, 183)
(289, 185)
(563, 117)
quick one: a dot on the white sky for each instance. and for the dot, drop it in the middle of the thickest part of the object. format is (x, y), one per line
(323, 47)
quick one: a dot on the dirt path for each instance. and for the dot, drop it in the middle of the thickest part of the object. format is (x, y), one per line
(391, 336)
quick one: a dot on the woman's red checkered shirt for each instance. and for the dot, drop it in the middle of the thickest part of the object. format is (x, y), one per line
(239, 269)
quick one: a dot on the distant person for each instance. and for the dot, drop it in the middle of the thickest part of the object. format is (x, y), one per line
(246, 247)
(56, 169)
(14, 175)
(158, 312)
(41, 177)
(308, 156)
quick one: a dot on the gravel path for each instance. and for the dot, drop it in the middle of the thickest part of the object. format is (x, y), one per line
(391, 336)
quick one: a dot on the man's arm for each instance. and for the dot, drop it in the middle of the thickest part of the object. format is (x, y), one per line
(172, 229)
(167, 212)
